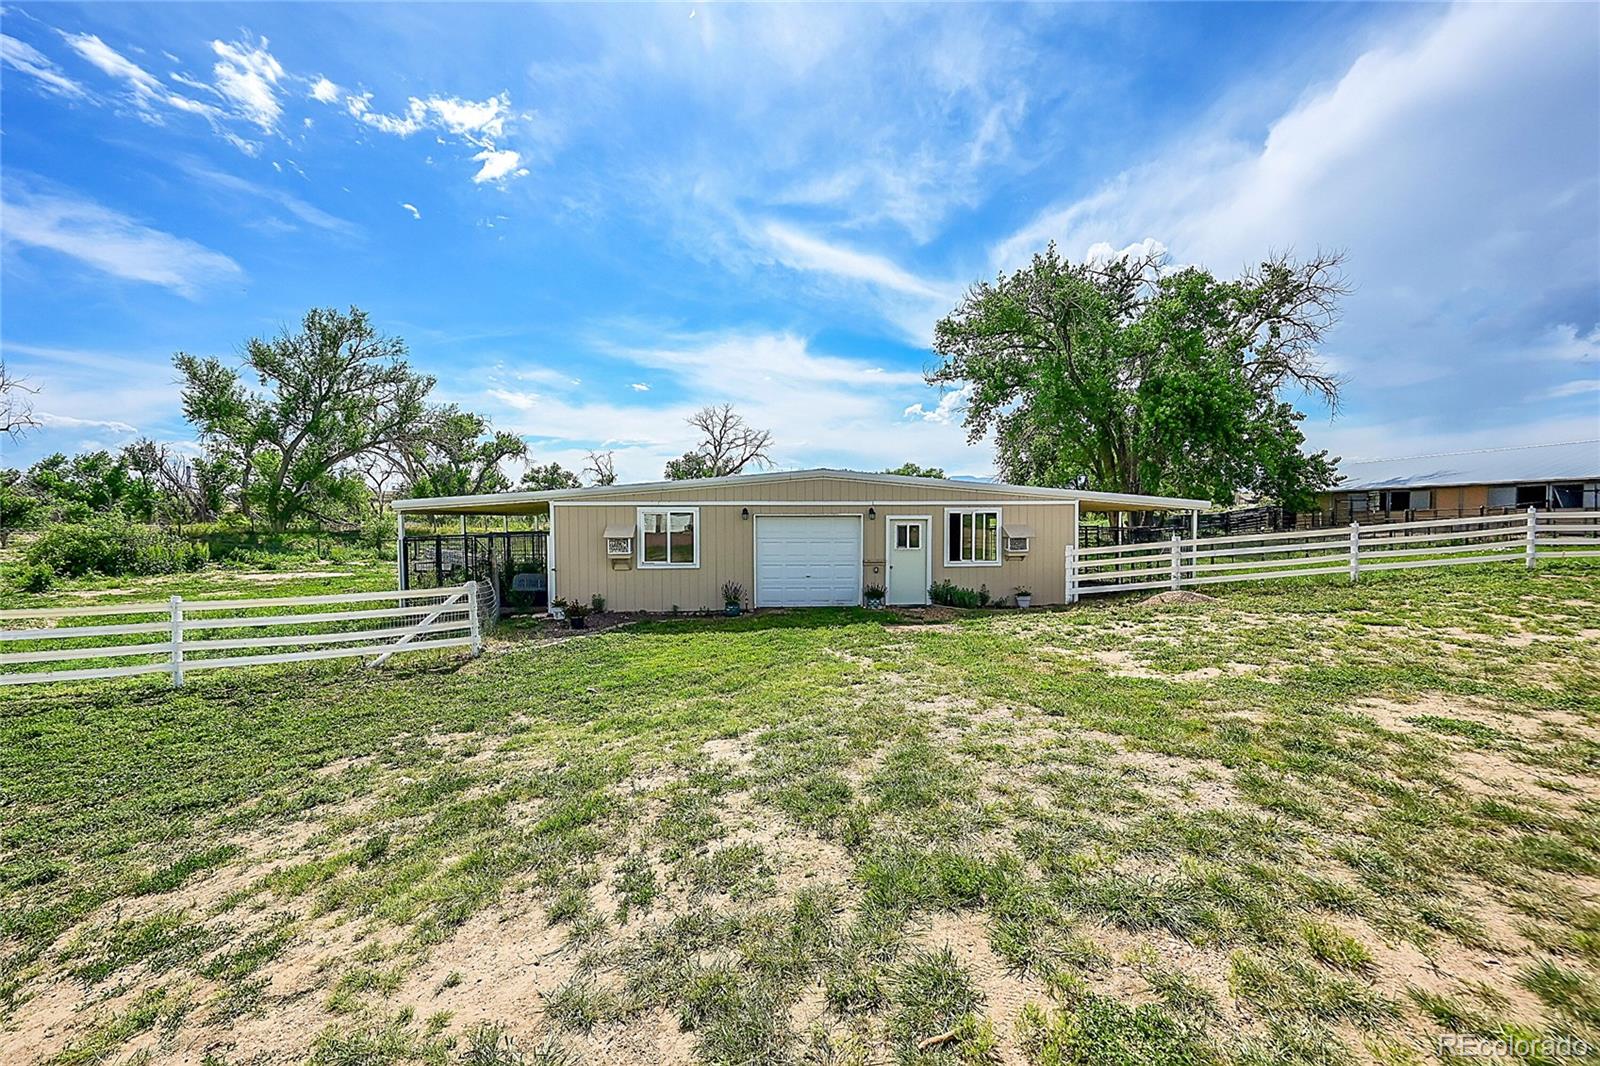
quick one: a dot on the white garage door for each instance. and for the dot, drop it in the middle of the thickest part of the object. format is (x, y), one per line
(808, 562)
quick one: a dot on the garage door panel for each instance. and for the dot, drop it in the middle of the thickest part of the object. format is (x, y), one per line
(808, 562)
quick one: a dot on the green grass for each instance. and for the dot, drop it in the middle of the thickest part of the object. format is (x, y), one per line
(1245, 836)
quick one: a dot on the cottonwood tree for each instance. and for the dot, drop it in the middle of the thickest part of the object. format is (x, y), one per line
(913, 470)
(16, 404)
(601, 468)
(727, 445)
(460, 455)
(331, 391)
(549, 476)
(1125, 376)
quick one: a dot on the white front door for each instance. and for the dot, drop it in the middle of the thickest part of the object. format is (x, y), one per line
(808, 561)
(908, 561)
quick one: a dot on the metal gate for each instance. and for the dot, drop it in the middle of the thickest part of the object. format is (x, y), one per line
(437, 561)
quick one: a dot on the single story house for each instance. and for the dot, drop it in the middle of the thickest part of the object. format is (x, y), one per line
(1461, 484)
(789, 539)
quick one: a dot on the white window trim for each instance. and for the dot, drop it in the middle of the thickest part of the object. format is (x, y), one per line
(1000, 548)
(699, 532)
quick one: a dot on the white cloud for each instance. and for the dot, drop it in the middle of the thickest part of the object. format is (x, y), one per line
(498, 164)
(112, 242)
(247, 76)
(476, 121)
(823, 409)
(804, 252)
(414, 212)
(55, 421)
(24, 57)
(1581, 387)
(398, 125)
(639, 386)
(1563, 343)
(146, 87)
(300, 209)
(950, 408)
(324, 91)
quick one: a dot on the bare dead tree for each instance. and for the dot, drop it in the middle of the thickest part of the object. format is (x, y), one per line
(16, 404)
(600, 468)
(728, 443)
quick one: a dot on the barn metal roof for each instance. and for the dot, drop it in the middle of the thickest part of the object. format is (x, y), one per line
(1577, 460)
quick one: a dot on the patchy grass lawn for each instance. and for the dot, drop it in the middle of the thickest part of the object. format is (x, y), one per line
(1301, 823)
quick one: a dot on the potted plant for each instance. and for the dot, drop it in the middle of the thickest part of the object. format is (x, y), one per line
(558, 609)
(1024, 596)
(732, 598)
(577, 611)
(873, 594)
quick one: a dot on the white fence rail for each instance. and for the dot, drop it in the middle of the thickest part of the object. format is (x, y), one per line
(1186, 563)
(419, 620)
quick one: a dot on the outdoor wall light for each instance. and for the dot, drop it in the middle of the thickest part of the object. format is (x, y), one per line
(872, 514)
(745, 514)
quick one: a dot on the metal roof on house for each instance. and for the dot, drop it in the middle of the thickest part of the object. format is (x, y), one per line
(486, 503)
(1577, 460)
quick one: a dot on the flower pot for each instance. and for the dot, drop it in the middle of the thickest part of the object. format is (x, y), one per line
(875, 603)
(731, 610)
(558, 613)
(578, 623)
(1025, 601)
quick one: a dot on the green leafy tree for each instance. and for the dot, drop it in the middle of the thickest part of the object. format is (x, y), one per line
(460, 456)
(913, 470)
(73, 488)
(331, 391)
(728, 444)
(1125, 376)
(549, 476)
(20, 508)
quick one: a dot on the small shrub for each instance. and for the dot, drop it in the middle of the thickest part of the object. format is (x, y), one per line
(115, 547)
(949, 594)
(32, 577)
(597, 603)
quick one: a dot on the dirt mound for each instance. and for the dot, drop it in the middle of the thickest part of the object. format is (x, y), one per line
(1180, 596)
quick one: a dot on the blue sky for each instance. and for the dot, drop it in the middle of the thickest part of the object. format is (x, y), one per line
(589, 221)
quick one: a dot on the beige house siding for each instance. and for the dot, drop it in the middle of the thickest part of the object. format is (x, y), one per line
(581, 568)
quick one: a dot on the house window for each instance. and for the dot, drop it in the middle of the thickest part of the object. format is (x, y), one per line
(1358, 503)
(1567, 495)
(908, 535)
(670, 537)
(973, 538)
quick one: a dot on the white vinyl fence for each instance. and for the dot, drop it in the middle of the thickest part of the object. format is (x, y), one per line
(414, 620)
(1186, 563)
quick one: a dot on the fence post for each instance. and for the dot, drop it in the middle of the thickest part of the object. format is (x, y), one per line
(1355, 551)
(472, 612)
(1072, 573)
(176, 604)
(1533, 533)
(1177, 556)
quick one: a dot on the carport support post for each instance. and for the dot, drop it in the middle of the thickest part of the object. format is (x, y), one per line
(1177, 556)
(400, 549)
(1355, 551)
(1533, 534)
